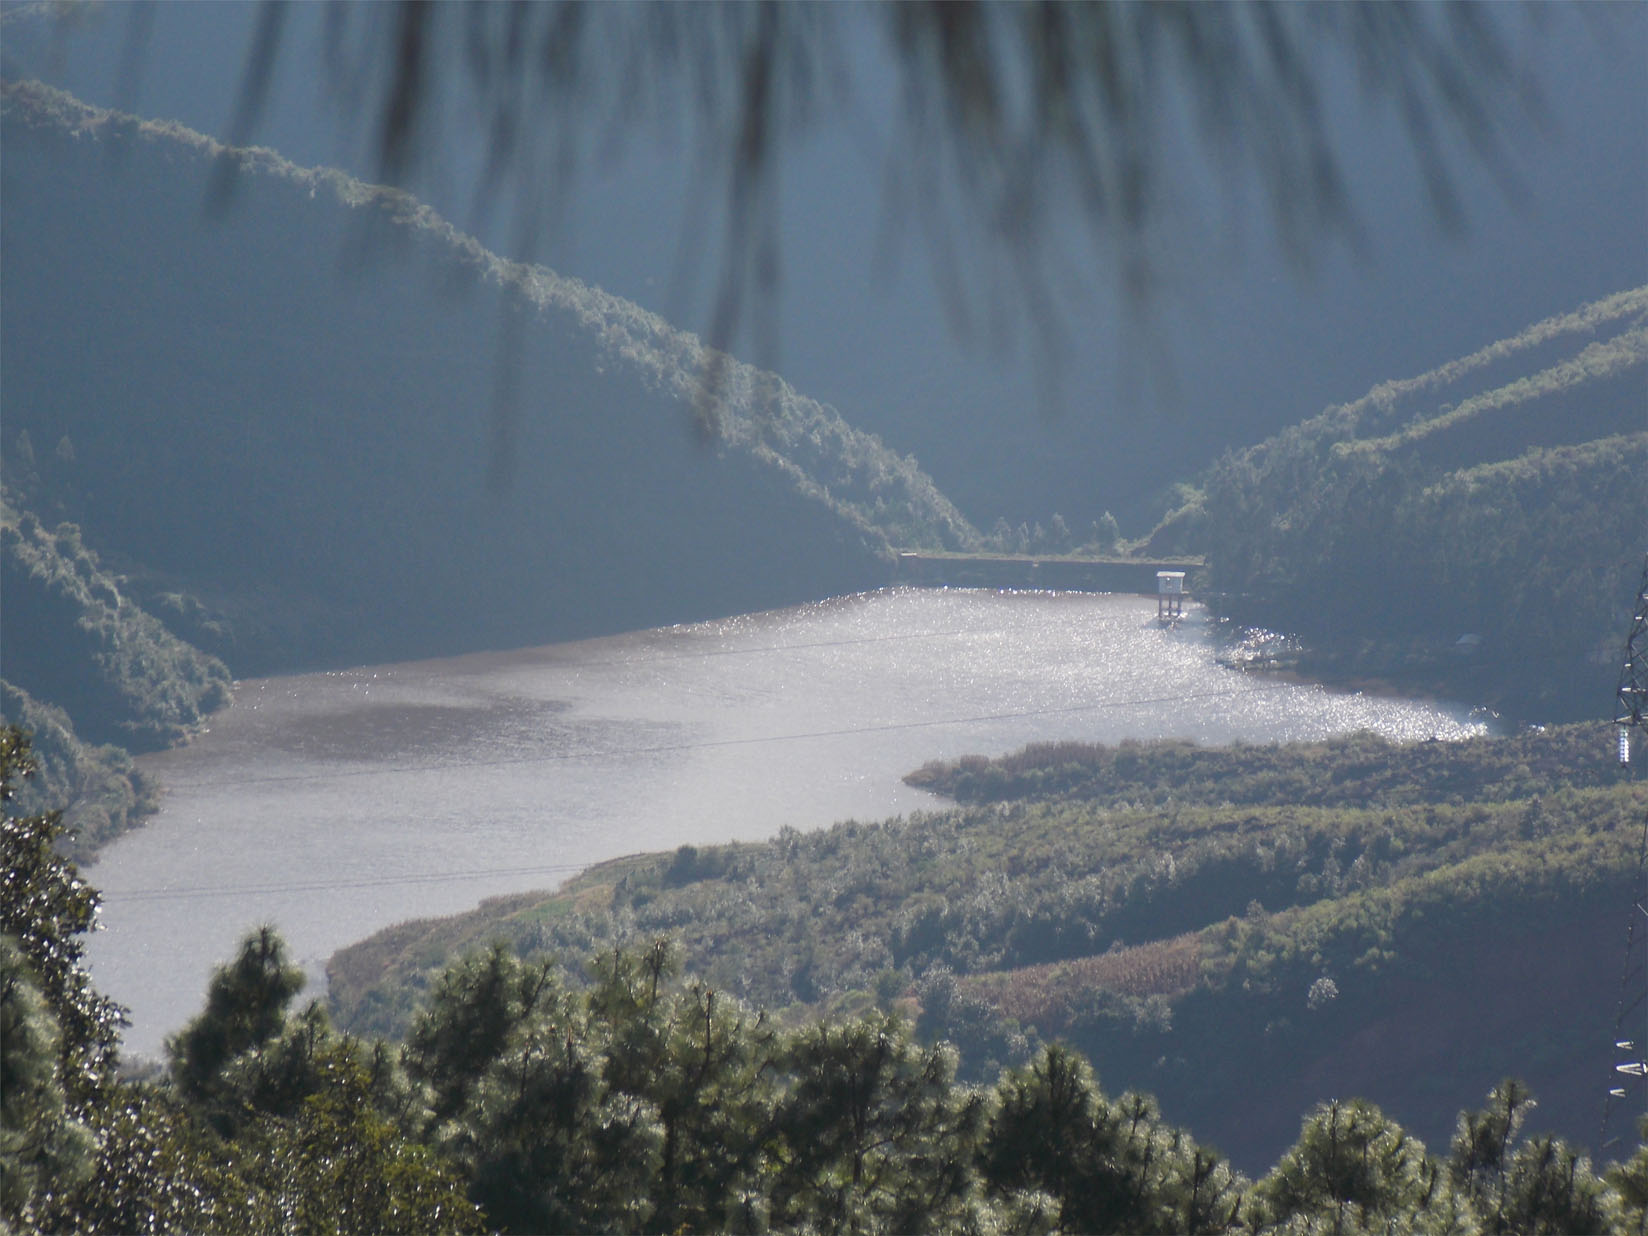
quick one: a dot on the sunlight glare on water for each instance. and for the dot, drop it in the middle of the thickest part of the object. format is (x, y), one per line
(335, 804)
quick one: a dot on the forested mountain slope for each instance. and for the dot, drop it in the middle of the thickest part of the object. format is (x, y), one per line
(74, 637)
(1242, 932)
(353, 434)
(97, 787)
(1503, 495)
(643, 1099)
(76, 640)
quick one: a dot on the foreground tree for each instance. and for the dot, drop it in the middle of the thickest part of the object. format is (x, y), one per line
(44, 1145)
(550, 1149)
(1355, 1170)
(1536, 1184)
(873, 1133)
(516, 1085)
(338, 1164)
(706, 1066)
(1629, 1181)
(58, 1037)
(46, 909)
(246, 1004)
(480, 1010)
(1111, 1166)
(281, 1124)
(1483, 1145)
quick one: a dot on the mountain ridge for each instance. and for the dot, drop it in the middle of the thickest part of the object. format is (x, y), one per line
(1382, 530)
(275, 430)
(585, 366)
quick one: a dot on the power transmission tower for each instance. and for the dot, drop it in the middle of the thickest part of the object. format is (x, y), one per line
(1630, 1025)
(1633, 678)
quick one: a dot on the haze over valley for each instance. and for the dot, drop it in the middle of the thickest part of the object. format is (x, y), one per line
(408, 610)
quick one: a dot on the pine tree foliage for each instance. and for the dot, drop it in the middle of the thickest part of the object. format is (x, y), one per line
(1355, 1170)
(1483, 1147)
(549, 1148)
(245, 1009)
(41, 1142)
(704, 1065)
(1552, 1190)
(1629, 1181)
(646, 1101)
(874, 1134)
(1109, 1165)
(479, 1008)
(45, 907)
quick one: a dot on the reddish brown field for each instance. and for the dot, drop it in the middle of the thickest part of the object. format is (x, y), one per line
(1042, 995)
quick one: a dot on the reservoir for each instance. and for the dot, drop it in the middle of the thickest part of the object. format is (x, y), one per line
(334, 804)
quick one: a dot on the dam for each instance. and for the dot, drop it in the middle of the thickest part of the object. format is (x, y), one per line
(1060, 573)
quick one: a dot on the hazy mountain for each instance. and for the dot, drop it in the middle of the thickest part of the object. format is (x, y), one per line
(354, 434)
(1240, 343)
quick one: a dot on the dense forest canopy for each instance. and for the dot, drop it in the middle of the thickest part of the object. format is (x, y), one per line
(1500, 497)
(1219, 926)
(642, 1100)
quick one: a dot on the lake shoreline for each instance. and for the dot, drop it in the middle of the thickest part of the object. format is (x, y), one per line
(335, 804)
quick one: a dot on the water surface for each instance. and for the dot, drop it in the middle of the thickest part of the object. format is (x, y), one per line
(334, 804)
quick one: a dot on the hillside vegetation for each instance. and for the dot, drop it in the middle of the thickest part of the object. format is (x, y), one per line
(642, 1100)
(457, 453)
(81, 640)
(1222, 950)
(75, 638)
(1498, 496)
(224, 448)
(97, 788)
